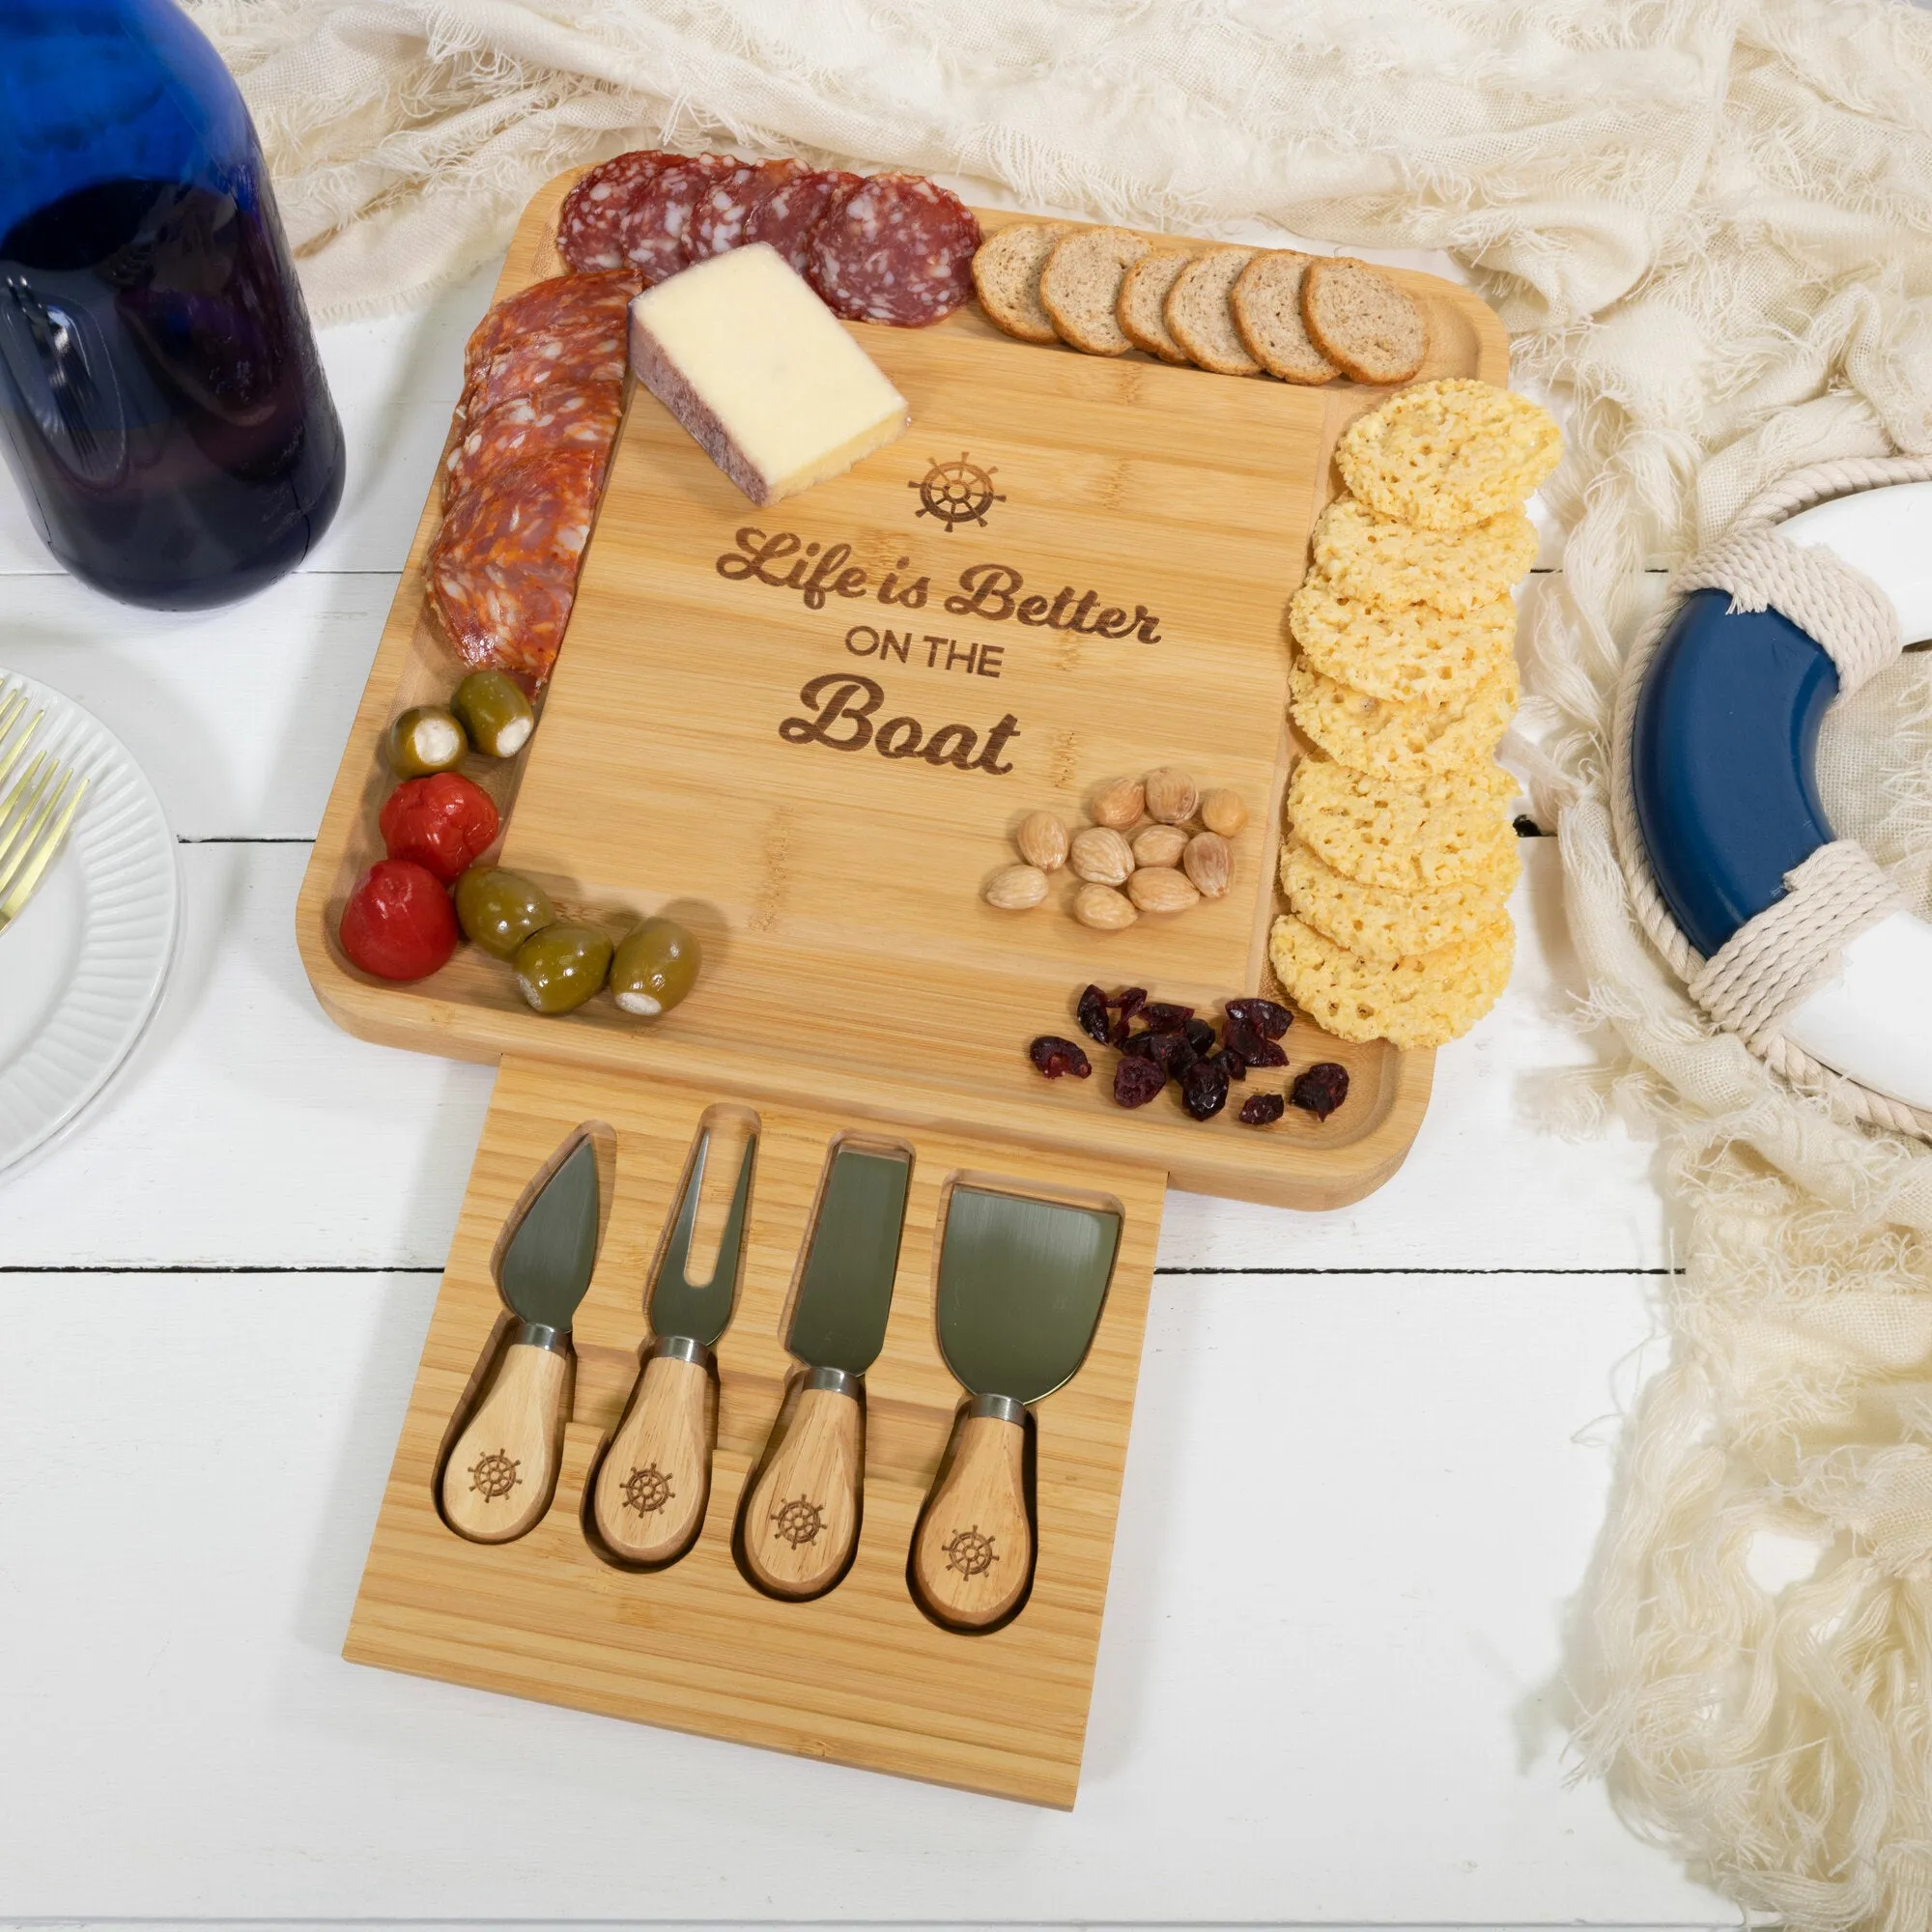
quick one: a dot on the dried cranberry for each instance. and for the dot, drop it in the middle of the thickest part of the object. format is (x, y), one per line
(1136, 1082)
(1091, 1013)
(1252, 1050)
(1200, 1036)
(1158, 1017)
(1204, 1090)
(1230, 1063)
(1262, 1016)
(1054, 1056)
(1263, 1110)
(1129, 1002)
(1140, 1045)
(1321, 1090)
(1169, 1051)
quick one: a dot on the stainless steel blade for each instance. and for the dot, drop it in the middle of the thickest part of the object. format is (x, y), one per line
(1020, 1286)
(700, 1311)
(846, 1293)
(547, 1266)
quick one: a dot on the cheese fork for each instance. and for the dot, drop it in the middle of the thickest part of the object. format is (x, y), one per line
(34, 814)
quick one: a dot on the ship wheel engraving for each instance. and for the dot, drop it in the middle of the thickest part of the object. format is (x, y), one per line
(646, 1491)
(957, 493)
(971, 1554)
(494, 1475)
(798, 1521)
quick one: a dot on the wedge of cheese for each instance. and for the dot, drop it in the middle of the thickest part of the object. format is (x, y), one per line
(761, 373)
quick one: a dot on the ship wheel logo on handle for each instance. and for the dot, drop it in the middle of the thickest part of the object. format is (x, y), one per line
(971, 1552)
(494, 1475)
(798, 1521)
(646, 1491)
(957, 493)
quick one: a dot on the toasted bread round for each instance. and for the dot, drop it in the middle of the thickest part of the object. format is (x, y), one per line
(1377, 921)
(1199, 318)
(1371, 329)
(1427, 999)
(1408, 653)
(1447, 454)
(1005, 277)
(1405, 743)
(1265, 302)
(1080, 286)
(1442, 832)
(1144, 293)
(1377, 561)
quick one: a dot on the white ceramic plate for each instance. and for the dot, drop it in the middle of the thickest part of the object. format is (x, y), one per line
(82, 969)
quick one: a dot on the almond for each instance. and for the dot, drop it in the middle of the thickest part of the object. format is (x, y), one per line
(1104, 909)
(1171, 797)
(1209, 862)
(1042, 841)
(1101, 856)
(1162, 888)
(1015, 889)
(1159, 846)
(1222, 811)
(1119, 803)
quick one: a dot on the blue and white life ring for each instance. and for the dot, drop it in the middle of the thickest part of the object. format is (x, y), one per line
(1721, 743)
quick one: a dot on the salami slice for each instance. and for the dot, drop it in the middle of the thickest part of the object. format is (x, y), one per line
(589, 229)
(899, 249)
(560, 415)
(571, 328)
(788, 215)
(656, 232)
(725, 208)
(502, 569)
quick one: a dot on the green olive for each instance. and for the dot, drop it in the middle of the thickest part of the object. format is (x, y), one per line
(495, 712)
(500, 910)
(427, 739)
(560, 967)
(654, 968)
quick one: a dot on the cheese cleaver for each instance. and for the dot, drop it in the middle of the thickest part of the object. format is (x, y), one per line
(1020, 1286)
(498, 1478)
(802, 1515)
(655, 1478)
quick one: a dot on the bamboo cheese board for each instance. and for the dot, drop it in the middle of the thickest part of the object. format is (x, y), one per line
(1071, 568)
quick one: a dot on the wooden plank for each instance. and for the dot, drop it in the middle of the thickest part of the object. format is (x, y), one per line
(862, 1675)
(837, 895)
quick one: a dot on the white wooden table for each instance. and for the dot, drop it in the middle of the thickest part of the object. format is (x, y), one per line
(1329, 1697)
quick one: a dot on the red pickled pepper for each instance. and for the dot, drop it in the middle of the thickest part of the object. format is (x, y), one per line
(444, 823)
(399, 923)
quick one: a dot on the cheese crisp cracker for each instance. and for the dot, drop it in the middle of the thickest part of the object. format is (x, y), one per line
(1408, 653)
(1381, 562)
(1402, 742)
(1425, 1000)
(1447, 831)
(1448, 454)
(1381, 924)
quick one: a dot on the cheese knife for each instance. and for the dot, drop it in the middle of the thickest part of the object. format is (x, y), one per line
(1021, 1283)
(499, 1479)
(802, 1516)
(655, 1478)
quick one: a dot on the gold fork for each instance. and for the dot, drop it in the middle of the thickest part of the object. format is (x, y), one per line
(34, 814)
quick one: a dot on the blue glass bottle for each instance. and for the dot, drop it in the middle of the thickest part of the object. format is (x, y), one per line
(162, 406)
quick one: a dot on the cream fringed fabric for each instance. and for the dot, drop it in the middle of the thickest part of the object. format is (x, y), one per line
(1708, 225)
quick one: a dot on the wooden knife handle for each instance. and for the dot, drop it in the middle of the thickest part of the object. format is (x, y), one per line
(499, 1477)
(802, 1516)
(971, 1553)
(655, 1478)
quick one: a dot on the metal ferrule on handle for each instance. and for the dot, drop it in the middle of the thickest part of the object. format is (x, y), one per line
(1001, 1407)
(834, 1381)
(681, 1349)
(539, 1335)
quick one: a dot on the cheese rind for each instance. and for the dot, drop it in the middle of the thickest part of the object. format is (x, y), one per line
(761, 373)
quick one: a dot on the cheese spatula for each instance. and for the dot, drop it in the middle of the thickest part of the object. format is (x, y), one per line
(1020, 1286)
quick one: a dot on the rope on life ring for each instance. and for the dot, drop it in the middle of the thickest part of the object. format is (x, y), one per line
(1753, 982)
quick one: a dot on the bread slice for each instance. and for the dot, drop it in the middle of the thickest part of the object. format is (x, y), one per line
(1371, 329)
(1005, 277)
(1080, 285)
(1266, 304)
(1198, 316)
(1144, 292)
